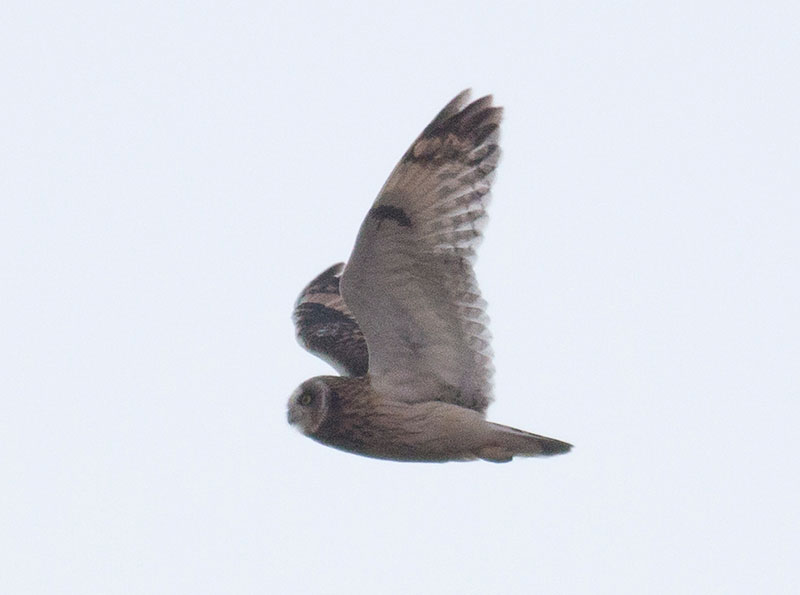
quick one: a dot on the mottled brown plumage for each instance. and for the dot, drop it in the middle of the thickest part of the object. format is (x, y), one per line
(346, 413)
(325, 326)
(405, 318)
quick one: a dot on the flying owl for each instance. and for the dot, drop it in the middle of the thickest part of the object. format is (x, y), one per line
(403, 321)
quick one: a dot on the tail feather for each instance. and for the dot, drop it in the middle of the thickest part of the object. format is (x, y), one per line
(507, 442)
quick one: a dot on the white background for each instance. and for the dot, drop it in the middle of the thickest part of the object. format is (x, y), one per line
(172, 174)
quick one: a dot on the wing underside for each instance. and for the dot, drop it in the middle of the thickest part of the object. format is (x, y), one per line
(409, 281)
(325, 326)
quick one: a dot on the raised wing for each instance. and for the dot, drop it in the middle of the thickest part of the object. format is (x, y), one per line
(325, 326)
(409, 281)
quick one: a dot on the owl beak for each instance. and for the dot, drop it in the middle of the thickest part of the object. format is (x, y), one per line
(290, 417)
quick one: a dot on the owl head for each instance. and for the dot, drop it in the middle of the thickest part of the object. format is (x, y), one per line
(309, 405)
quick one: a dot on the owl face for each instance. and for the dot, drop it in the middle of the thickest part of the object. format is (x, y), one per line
(308, 406)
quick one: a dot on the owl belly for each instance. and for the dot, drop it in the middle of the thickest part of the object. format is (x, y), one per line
(424, 432)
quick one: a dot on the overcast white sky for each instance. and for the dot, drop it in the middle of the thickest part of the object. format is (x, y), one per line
(172, 174)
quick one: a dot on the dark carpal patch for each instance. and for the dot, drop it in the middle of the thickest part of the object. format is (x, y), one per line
(396, 214)
(312, 313)
(334, 336)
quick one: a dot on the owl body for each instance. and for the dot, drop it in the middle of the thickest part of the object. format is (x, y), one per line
(404, 321)
(349, 414)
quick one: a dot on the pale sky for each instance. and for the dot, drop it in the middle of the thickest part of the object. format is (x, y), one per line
(172, 174)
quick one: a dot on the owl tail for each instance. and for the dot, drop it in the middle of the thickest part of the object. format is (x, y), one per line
(505, 443)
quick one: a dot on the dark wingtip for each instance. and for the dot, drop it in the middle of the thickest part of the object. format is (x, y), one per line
(453, 107)
(551, 446)
(460, 100)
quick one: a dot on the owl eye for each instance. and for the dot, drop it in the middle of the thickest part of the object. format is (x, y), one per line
(305, 399)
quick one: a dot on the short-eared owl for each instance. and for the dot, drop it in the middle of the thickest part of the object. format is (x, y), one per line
(403, 321)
